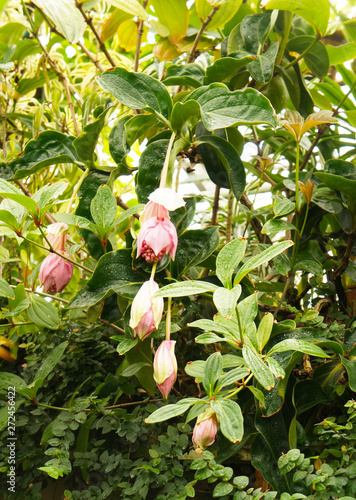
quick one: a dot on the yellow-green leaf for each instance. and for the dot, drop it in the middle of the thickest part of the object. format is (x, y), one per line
(316, 12)
(341, 53)
(222, 16)
(132, 7)
(174, 15)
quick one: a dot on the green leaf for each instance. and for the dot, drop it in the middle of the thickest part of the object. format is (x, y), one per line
(174, 15)
(47, 148)
(65, 17)
(258, 368)
(261, 258)
(316, 59)
(248, 309)
(208, 338)
(222, 108)
(275, 368)
(78, 221)
(316, 12)
(185, 288)
(126, 345)
(50, 362)
(132, 7)
(212, 372)
(225, 68)
(183, 111)
(136, 127)
(232, 376)
(137, 91)
(276, 225)
(209, 325)
(228, 259)
(222, 16)
(231, 419)
(225, 300)
(103, 208)
(133, 369)
(43, 313)
(298, 345)
(230, 159)
(194, 247)
(9, 220)
(222, 489)
(6, 290)
(8, 379)
(261, 69)
(351, 372)
(85, 144)
(113, 274)
(341, 53)
(23, 200)
(170, 411)
(150, 168)
(118, 144)
(258, 394)
(283, 207)
(190, 75)
(254, 29)
(264, 330)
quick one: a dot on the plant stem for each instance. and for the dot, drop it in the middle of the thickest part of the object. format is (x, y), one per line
(91, 56)
(240, 325)
(76, 189)
(168, 318)
(305, 220)
(89, 22)
(139, 39)
(214, 217)
(236, 391)
(43, 294)
(107, 323)
(230, 206)
(297, 59)
(153, 270)
(286, 286)
(192, 56)
(297, 179)
(288, 17)
(166, 162)
(53, 407)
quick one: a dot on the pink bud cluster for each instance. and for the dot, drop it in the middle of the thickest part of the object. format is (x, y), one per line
(56, 272)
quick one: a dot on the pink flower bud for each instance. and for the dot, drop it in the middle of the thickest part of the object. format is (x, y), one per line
(56, 235)
(205, 429)
(146, 310)
(153, 209)
(55, 273)
(156, 238)
(165, 367)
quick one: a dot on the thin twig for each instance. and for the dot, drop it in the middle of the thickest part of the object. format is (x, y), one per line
(214, 217)
(192, 55)
(230, 205)
(107, 323)
(89, 22)
(255, 222)
(91, 56)
(122, 204)
(345, 258)
(139, 39)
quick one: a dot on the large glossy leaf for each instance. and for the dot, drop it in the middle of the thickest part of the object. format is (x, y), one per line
(113, 274)
(225, 68)
(109, 29)
(43, 313)
(261, 258)
(6, 290)
(261, 69)
(50, 362)
(174, 15)
(258, 368)
(316, 12)
(137, 91)
(253, 30)
(316, 59)
(222, 16)
(85, 144)
(228, 259)
(212, 372)
(86, 194)
(225, 300)
(194, 246)
(230, 158)
(8, 379)
(298, 345)
(187, 74)
(185, 288)
(182, 112)
(48, 148)
(231, 419)
(150, 168)
(350, 366)
(222, 108)
(65, 16)
(170, 411)
(118, 143)
(214, 167)
(103, 208)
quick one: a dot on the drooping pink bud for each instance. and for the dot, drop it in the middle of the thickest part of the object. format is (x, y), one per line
(153, 209)
(165, 367)
(146, 310)
(162, 200)
(205, 429)
(156, 238)
(57, 235)
(55, 273)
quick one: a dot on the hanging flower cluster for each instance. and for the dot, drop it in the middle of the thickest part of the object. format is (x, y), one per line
(56, 272)
(157, 237)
